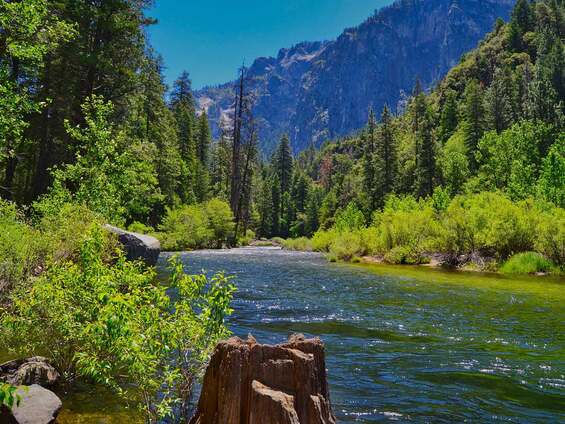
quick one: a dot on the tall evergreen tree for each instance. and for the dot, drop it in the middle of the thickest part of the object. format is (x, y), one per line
(387, 153)
(283, 163)
(182, 105)
(221, 166)
(369, 140)
(425, 169)
(498, 101)
(473, 124)
(448, 118)
(203, 139)
(160, 129)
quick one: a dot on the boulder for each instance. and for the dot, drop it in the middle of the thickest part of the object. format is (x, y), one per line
(138, 246)
(37, 406)
(25, 372)
(251, 383)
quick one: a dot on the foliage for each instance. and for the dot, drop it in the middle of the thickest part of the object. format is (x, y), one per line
(527, 263)
(489, 223)
(105, 177)
(407, 228)
(22, 248)
(205, 225)
(550, 239)
(112, 323)
(8, 396)
(302, 244)
(511, 160)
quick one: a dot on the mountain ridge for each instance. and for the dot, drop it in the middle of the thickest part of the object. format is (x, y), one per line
(315, 91)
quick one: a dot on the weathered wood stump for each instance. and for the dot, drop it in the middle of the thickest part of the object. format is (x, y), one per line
(251, 383)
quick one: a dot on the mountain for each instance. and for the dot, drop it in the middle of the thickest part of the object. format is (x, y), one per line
(316, 91)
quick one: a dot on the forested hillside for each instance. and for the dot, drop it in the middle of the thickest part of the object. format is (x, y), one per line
(318, 91)
(483, 153)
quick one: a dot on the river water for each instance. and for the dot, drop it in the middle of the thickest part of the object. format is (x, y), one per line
(403, 344)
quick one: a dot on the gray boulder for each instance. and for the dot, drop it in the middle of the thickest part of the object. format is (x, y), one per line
(37, 406)
(29, 371)
(138, 246)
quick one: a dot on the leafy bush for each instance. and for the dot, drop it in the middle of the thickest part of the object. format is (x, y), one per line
(349, 219)
(489, 223)
(206, 225)
(65, 228)
(322, 240)
(106, 174)
(527, 263)
(302, 244)
(550, 235)
(140, 228)
(114, 324)
(244, 240)
(220, 221)
(22, 248)
(348, 245)
(408, 224)
(404, 255)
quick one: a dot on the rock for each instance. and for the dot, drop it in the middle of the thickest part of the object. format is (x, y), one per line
(37, 406)
(25, 372)
(138, 246)
(251, 383)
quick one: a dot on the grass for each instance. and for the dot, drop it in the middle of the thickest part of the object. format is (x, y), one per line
(527, 263)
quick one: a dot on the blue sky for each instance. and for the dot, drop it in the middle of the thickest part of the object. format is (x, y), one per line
(211, 38)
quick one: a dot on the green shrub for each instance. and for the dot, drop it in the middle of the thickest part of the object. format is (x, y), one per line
(406, 223)
(206, 225)
(489, 223)
(246, 239)
(322, 240)
(278, 240)
(302, 244)
(550, 238)
(348, 245)
(22, 248)
(220, 222)
(64, 230)
(403, 255)
(8, 396)
(113, 323)
(140, 228)
(527, 263)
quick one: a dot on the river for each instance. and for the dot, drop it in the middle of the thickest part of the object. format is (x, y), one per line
(402, 343)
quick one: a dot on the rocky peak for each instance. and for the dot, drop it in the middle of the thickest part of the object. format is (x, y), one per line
(316, 91)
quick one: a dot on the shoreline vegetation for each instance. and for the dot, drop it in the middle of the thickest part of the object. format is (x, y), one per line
(483, 232)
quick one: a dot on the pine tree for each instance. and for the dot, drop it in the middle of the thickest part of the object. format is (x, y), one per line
(521, 22)
(545, 102)
(448, 118)
(498, 101)
(368, 138)
(160, 129)
(203, 139)
(182, 106)
(387, 154)
(277, 201)
(221, 166)
(265, 204)
(425, 160)
(284, 163)
(473, 124)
